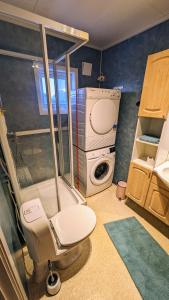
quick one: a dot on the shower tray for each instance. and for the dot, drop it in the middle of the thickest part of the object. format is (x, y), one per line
(46, 191)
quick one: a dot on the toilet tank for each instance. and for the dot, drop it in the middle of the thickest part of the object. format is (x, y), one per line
(39, 237)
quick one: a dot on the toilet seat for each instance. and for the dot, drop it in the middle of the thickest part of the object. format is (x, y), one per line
(73, 224)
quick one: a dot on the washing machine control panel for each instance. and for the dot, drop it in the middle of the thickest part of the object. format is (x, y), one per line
(96, 93)
(100, 152)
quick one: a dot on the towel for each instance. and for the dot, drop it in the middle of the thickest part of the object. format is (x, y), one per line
(150, 139)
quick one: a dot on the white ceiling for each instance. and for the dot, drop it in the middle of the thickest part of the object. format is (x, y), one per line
(107, 21)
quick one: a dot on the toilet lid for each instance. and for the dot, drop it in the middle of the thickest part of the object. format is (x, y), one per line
(73, 224)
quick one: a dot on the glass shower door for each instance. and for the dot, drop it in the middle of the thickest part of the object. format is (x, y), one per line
(26, 120)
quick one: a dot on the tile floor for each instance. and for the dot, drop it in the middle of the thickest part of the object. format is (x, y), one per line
(99, 273)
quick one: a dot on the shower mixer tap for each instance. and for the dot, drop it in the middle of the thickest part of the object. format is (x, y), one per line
(11, 134)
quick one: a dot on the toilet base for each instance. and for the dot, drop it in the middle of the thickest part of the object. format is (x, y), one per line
(62, 262)
(69, 257)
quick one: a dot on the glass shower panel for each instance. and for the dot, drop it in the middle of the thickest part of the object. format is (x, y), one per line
(19, 97)
(32, 155)
(23, 95)
(57, 47)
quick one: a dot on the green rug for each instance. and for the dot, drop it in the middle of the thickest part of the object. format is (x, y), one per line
(146, 261)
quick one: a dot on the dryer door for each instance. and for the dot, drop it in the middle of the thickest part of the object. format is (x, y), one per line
(101, 171)
(103, 116)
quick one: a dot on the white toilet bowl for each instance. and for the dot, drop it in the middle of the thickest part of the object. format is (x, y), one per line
(57, 238)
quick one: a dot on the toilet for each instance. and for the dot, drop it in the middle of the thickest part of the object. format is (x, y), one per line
(57, 238)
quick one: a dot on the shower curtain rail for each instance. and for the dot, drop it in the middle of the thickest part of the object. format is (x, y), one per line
(38, 58)
(22, 55)
(71, 51)
(27, 56)
(34, 131)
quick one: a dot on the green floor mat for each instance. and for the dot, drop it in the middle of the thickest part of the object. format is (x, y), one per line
(146, 261)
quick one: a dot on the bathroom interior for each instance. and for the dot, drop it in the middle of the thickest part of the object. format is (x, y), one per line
(84, 150)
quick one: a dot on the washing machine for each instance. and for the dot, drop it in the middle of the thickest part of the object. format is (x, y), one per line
(93, 170)
(95, 116)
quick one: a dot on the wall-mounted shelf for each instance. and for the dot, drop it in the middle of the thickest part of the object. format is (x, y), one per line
(143, 163)
(147, 143)
(143, 150)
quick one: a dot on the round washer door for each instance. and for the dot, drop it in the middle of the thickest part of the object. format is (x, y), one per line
(101, 171)
(103, 116)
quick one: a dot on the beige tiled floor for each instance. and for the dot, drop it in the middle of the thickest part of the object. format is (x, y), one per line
(100, 272)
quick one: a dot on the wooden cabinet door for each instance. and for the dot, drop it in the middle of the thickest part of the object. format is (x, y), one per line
(157, 202)
(155, 92)
(138, 183)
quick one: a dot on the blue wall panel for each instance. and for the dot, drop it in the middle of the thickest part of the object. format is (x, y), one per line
(124, 65)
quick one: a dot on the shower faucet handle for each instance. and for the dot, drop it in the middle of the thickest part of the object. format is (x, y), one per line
(11, 134)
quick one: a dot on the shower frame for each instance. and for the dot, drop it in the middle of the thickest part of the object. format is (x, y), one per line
(14, 14)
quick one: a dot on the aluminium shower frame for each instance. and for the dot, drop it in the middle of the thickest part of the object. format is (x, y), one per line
(81, 38)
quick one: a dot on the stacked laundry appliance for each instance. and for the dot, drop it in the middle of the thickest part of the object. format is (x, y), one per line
(94, 116)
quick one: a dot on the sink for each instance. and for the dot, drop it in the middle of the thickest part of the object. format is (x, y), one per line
(162, 172)
(166, 173)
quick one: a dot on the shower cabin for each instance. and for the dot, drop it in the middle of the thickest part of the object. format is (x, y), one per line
(37, 81)
(38, 77)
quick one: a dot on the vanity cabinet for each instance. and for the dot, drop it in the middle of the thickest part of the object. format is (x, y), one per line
(138, 183)
(147, 190)
(143, 186)
(157, 202)
(155, 93)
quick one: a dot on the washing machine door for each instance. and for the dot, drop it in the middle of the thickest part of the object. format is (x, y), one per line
(103, 116)
(101, 171)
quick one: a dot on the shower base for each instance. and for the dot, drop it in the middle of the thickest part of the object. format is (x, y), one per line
(46, 191)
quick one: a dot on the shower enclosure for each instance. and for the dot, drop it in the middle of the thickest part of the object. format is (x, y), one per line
(37, 82)
(36, 86)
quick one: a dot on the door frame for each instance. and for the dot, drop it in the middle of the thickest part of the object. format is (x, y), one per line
(11, 271)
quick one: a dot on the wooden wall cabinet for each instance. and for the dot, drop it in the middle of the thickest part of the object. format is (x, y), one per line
(138, 183)
(143, 186)
(155, 92)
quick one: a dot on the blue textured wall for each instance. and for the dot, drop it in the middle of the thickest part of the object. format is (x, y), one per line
(18, 92)
(124, 65)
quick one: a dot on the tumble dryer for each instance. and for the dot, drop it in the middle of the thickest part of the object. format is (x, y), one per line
(95, 116)
(93, 170)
